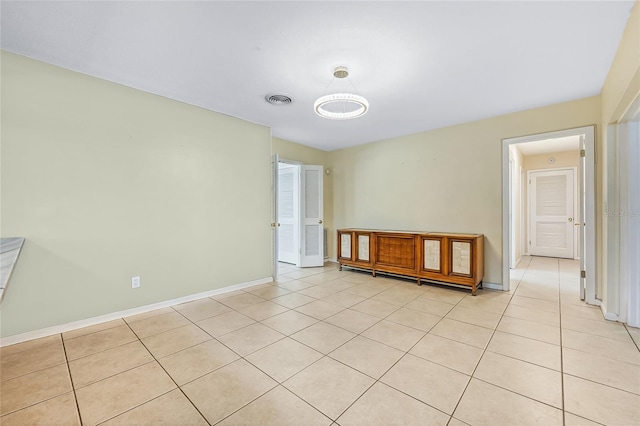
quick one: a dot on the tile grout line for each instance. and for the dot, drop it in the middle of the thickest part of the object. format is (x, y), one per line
(564, 413)
(348, 366)
(407, 352)
(66, 362)
(327, 355)
(399, 359)
(264, 372)
(168, 375)
(37, 370)
(73, 387)
(484, 351)
(631, 336)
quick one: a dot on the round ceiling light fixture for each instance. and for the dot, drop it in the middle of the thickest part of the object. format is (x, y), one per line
(341, 106)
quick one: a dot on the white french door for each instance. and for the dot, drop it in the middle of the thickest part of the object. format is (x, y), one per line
(551, 213)
(311, 209)
(288, 227)
(626, 215)
(581, 226)
(275, 162)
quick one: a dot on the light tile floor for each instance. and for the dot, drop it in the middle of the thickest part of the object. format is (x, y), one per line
(327, 347)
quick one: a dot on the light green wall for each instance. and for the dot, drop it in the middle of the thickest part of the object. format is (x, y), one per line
(107, 182)
(445, 180)
(288, 150)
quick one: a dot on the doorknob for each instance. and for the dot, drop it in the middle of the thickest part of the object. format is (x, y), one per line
(570, 219)
(576, 224)
(320, 221)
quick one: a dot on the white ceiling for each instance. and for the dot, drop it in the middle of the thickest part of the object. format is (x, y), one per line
(421, 65)
(567, 143)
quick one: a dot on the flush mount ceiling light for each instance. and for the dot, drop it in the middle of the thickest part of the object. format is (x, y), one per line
(341, 106)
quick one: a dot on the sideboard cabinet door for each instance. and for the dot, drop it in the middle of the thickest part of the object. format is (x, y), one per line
(461, 257)
(345, 245)
(432, 254)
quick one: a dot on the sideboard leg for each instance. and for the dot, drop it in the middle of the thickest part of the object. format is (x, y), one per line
(373, 272)
(473, 290)
(419, 282)
(340, 267)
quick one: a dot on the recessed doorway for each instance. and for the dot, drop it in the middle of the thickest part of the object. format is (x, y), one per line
(558, 167)
(298, 237)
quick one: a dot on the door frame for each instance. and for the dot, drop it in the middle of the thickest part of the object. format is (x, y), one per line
(590, 216)
(576, 212)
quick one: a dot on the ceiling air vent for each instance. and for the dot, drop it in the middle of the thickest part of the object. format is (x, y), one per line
(278, 99)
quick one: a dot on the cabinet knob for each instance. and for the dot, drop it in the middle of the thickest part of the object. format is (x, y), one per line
(570, 219)
(320, 221)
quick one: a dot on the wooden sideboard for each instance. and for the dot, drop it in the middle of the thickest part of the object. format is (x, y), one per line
(441, 257)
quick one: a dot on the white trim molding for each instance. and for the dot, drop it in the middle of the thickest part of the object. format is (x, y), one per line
(491, 286)
(70, 326)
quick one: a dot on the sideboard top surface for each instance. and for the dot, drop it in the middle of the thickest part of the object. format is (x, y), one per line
(386, 231)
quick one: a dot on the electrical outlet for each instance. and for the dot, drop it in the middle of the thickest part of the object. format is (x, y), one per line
(135, 282)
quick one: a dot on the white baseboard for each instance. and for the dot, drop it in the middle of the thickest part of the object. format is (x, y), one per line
(63, 328)
(608, 315)
(332, 260)
(492, 286)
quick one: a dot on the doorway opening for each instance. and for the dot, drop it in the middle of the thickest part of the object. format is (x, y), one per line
(298, 232)
(549, 202)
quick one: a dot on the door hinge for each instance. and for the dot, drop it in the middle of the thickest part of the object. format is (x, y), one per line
(583, 274)
(583, 153)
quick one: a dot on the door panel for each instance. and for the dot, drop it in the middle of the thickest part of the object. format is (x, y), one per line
(288, 206)
(582, 229)
(312, 218)
(552, 213)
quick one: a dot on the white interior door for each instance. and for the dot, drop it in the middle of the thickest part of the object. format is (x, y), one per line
(274, 214)
(552, 213)
(312, 241)
(582, 229)
(288, 213)
(628, 213)
(632, 224)
(512, 222)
